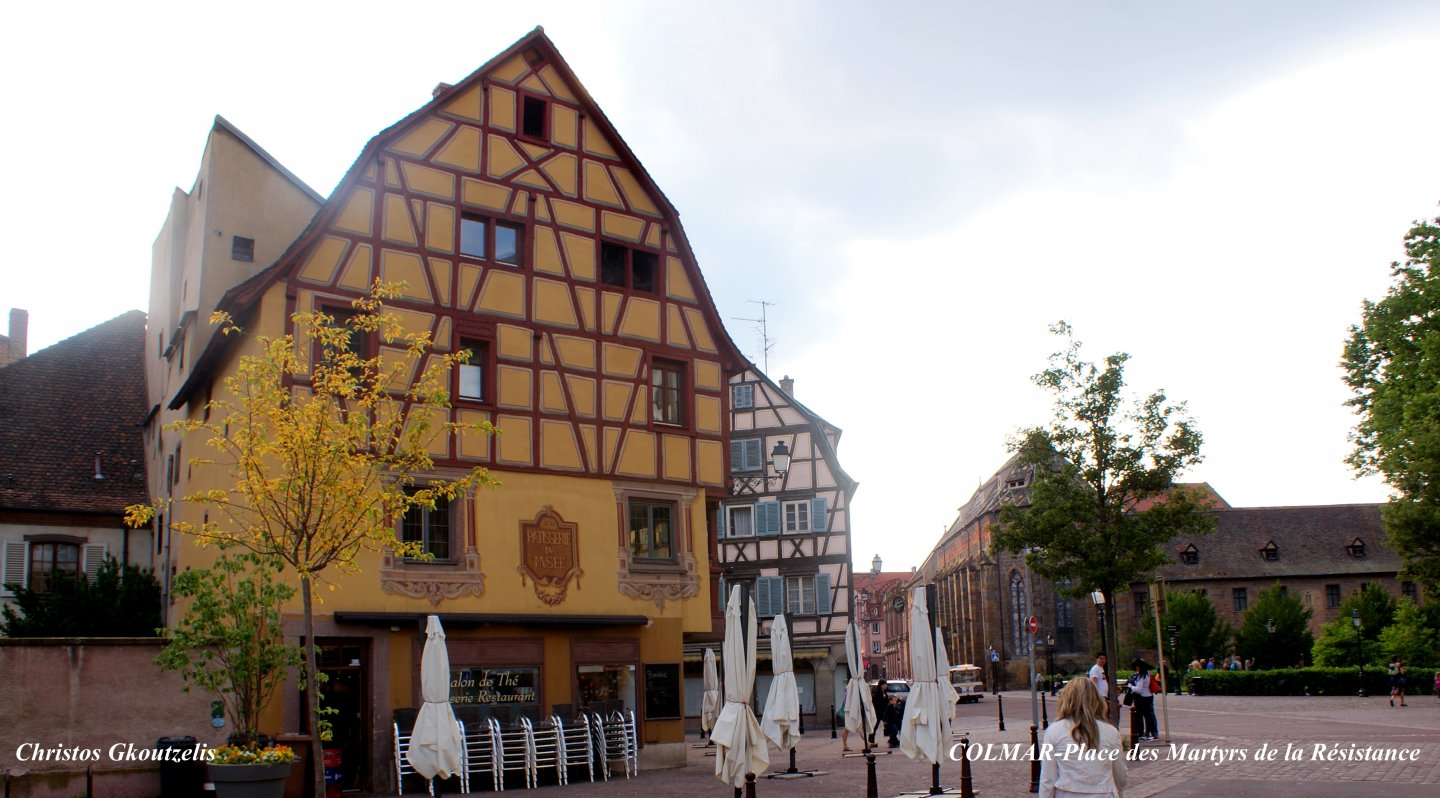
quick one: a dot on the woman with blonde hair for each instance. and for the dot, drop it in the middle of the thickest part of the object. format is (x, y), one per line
(1081, 755)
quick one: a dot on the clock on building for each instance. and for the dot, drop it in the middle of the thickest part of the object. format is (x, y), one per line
(898, 603)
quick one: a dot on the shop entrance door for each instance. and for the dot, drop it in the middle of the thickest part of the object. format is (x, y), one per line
(345, 664)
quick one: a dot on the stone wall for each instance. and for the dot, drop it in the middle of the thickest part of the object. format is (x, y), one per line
(99, 703)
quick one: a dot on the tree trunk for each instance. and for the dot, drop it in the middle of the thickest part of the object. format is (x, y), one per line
(312, 694)
(1112, 629)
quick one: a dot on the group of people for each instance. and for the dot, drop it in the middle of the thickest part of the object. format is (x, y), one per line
(889, 713)
(1231, 663)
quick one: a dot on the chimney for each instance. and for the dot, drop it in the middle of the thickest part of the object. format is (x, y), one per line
(787, 385)
(19, 335)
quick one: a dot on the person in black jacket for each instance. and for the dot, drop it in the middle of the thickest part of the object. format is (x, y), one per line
(894, 714)
(877, 700)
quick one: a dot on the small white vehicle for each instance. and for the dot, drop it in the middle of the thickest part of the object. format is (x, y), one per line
(966, 681)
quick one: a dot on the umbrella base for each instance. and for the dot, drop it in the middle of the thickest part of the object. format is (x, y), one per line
(799, 774)
(926, 791)
(873, 752)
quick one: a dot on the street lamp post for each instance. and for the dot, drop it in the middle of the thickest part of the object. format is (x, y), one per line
(1270, 630)
(1359, 650)
(1050, 660)
(1098, 597)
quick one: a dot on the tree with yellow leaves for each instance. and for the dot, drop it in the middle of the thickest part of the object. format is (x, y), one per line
(328, 447)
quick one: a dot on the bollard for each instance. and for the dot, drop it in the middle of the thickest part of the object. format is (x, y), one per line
(749, 785)
(1044, 713)
(833, 735)
(1034, 760)
(967, 788)
(872, 790)
(1000, 710)
(1134, 725)
(792, 768)
(802, 723)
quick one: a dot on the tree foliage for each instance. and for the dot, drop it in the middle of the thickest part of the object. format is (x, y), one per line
(1392, 364)
(325, 447)
(1337, 644)
(1275, 630)
(122, 601)
(1200, 633)
(1100, 457)
(230, 639)
(1409, 636)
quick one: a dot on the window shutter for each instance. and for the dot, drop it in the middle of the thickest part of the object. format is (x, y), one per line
(720, 523)
(767, 518)
(14, 566)
(724, 593)
(818, 519)
(769, 596)
(742, 397)
(822, 593)
(94, 556)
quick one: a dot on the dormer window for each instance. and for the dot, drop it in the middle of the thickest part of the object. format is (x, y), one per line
(1270, 552)
(1190, 555)
(1356, 548)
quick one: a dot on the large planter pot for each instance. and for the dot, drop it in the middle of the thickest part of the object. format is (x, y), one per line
(249, 781)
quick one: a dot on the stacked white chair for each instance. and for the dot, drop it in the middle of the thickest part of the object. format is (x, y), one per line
(513, 743)
(576, 746)
(402, 764)
(596, 725)
(546, 750)
(480, 755)
(619, 734)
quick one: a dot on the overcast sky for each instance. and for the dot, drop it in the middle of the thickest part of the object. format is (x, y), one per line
(920, 190)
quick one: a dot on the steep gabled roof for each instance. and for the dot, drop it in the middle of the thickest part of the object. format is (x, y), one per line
(847, 483)
(221, 123)
(1309, 541)
(66, 405)
(239, 300)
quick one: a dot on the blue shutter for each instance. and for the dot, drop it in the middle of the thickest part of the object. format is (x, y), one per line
(769, 596)
(822, 593)
(817, 515)
(767, 518)
(720, 522)
(742, 396)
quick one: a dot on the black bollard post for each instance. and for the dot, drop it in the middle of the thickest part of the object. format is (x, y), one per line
(1034, 760)
(1000, 710)
(802, 722)
(935, 788)
(872, 790)
(967, 787)
(833, 735)
(749, 785)
(792, 768)
(1134, 725)
(1044, 713)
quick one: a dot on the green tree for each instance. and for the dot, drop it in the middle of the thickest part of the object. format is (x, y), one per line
(1275, 630)
(1337, 645)
(230, 640)
(122, 601)
(324, 455)
(1095, 463)
(1199, 631)
(1391, 366)
(1409, 636)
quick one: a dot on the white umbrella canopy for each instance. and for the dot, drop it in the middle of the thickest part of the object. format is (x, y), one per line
(710, 701)
(948, 697)
(781, 720)
(925, 729)
(859, 707)
(736, 732)
(435, 746)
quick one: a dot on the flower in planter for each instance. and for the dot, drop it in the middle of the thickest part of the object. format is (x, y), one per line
(247, 755)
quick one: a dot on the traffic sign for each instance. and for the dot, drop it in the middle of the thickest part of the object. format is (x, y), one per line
(1034, 625)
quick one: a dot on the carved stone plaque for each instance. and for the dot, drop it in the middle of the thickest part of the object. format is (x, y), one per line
(550, 555)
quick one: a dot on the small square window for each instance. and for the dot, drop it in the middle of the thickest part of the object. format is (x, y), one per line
(532, 117)
(624, 267)
(473, 238)
(484, 239)
(652, 530)
(1332, 596)
(667, 387)
(1407, 590)
(740, 521)
(800, 595)
(242, 249)
(742, 397)
(429, 528)
(1190, 555)
(1271, 552)
(1240, 599)
(797, 516)
(745, 455)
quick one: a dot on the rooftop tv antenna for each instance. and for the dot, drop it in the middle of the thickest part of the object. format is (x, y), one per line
(766, 342)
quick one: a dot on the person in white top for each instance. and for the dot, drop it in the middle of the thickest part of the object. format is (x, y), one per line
(1097, 675)
(1081, 757)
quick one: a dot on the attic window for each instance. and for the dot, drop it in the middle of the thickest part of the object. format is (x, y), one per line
(1190, 555)
(1356, 548)
(1015, 484)
(532, 118)
(242, 249)
(1270, 552)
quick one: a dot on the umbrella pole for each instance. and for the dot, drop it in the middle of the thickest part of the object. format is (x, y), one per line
(872, 790)
(930, 604)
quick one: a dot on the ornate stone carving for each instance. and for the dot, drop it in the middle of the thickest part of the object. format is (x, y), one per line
(658, 586)
(550, 555)
(434, 583)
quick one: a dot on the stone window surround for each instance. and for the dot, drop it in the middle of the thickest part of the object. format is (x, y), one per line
(449, 579)
(649, 580)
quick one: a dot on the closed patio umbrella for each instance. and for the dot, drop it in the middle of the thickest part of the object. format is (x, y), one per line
(781, 720)
(859, 707)
(435, 747)
(736, 732)
(710, 701)
(925, 729)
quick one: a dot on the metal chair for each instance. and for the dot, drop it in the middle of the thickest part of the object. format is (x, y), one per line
(620, 743)
(545, 748)
(513, 745)
(596, 726)
(402, 765)
(480, 753)
(577, 748)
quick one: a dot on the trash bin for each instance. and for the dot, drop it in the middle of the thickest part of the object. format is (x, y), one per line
(1197, 685)
(180, 778)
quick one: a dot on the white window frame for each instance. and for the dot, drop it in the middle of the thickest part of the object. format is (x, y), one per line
(730, 527)
(795, 587)
(797, 508)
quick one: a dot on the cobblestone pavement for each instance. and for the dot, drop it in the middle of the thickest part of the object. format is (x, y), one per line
(1199, 726)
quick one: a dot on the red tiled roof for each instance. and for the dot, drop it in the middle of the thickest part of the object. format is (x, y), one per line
(60, 407)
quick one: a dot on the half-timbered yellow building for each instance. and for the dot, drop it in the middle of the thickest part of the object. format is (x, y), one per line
(526, 231)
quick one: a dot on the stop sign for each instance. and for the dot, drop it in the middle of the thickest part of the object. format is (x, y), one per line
(1034, 625)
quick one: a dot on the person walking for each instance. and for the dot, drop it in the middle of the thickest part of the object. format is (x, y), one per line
(1081, 757)
(1101, 682)
(877, 700)
(1396, 671)
(1143, 687)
